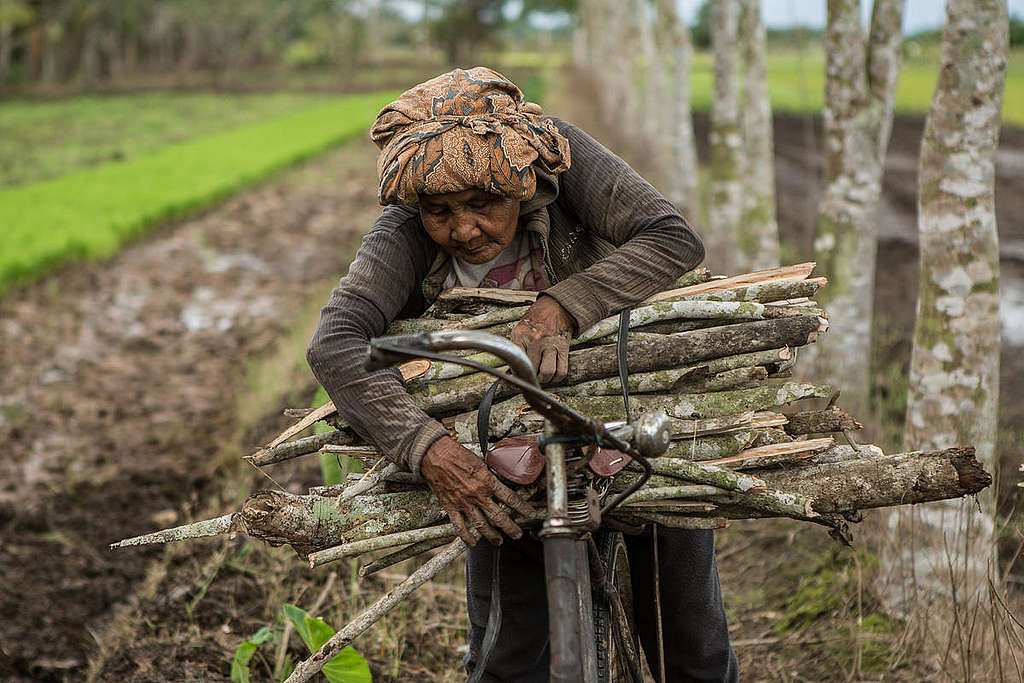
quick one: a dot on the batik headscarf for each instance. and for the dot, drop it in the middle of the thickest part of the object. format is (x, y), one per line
(466, 129)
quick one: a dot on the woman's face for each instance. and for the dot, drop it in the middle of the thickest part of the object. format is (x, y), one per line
(472, 225)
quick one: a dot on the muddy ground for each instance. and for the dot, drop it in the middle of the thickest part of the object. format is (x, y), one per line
(119, 413)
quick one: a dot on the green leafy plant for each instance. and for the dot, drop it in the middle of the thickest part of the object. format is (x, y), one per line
(245, 651)
(348, 666)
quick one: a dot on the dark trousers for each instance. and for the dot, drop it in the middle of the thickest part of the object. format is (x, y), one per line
(696, 634)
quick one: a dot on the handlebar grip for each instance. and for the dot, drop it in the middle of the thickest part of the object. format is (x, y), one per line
(385, 352)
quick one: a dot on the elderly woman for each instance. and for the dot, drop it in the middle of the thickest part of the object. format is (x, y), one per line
(481, 190)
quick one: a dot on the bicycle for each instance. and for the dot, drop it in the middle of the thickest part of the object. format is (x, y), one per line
(592, 637)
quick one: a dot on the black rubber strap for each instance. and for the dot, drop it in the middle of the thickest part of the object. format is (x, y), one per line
(493, 619)
(483, 418)
(621, 346)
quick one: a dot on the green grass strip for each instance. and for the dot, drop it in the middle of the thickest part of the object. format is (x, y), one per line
(88, 214)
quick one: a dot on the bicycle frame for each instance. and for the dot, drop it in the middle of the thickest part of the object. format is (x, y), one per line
(566, 563)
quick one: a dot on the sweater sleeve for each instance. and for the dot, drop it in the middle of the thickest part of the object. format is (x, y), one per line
(389, 265)
(655, 243)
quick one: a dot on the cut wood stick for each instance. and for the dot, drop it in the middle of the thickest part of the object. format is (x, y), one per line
(673, 521)
(207, 527)
(367, 482)
(883, 481)
(675, 492)
(366, 545)
(832, 419)
(312, 523)
(773, 454)
(797, 271)
(400, 556)
(514, 416)
(307, 420)
(303, 446)
(682, 507)
(306, 669)
(725, 311)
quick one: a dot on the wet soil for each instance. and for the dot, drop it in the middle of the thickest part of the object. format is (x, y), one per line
(118, 387)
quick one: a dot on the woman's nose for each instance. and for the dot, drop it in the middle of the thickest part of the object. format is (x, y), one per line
(465, 229)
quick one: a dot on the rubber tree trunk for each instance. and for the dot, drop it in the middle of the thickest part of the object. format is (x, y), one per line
(682, 179)
(947, 549)
(860, 81)
(757, 230)
(726, 188)
(6, 50)
(653, 79)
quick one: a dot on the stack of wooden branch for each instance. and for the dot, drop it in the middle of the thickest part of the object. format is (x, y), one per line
(715, 354)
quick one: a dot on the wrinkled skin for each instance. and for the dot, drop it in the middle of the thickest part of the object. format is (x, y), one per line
(476, 226)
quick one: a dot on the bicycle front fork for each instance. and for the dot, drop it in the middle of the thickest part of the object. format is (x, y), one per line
(567, 579)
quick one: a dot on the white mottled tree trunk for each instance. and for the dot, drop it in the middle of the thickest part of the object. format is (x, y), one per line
(757, 229)
(946, 550)
(726, 185)
(620, 106)
(682, 179)
(654, 108)
(859, 87)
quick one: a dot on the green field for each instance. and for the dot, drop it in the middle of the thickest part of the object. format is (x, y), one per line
(89, 213)
(796, 80)
(43, 139)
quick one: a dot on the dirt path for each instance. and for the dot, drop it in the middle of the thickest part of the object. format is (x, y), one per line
(118, 384)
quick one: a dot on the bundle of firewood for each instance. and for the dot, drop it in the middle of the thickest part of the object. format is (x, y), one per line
(715, 354)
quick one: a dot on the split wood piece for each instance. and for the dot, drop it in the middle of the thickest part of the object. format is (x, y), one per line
(381, 542)
(773, 454)
(307, 669)
(833, 419)
(888, 480)
(797, 271)
(400, 556)
(456, 297)
(206, 527)
(307, 420)
(312, 523)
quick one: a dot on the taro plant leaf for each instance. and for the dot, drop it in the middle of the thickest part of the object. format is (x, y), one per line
(348, 666)
(245, 651)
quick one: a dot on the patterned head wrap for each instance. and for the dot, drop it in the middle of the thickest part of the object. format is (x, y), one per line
(466, 129)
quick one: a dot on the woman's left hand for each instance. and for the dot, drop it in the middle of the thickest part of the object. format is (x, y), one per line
(544, 334)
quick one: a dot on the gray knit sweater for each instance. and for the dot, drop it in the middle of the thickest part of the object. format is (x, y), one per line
(610, 240)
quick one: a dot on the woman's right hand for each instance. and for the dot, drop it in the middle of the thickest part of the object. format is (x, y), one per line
(470, 493)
